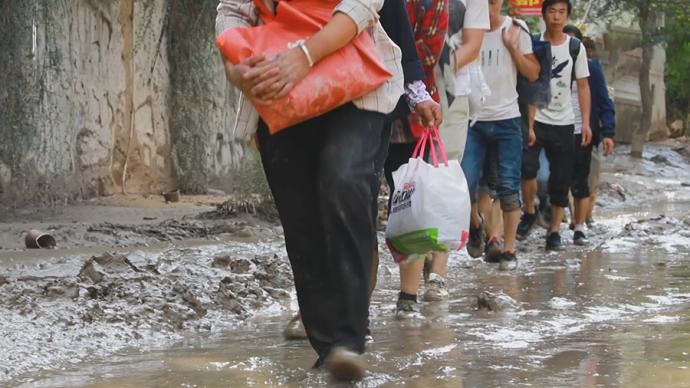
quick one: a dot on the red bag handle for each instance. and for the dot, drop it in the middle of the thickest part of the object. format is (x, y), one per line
(429, 136)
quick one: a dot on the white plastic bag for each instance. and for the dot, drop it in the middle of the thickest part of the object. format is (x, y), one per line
(479, 90)
(430, 207)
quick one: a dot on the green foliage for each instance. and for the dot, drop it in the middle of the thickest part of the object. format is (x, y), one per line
(677, 76)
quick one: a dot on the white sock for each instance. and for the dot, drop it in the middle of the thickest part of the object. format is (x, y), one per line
(580, 228)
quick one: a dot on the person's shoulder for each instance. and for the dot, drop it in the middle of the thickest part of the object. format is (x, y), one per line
(520, 22)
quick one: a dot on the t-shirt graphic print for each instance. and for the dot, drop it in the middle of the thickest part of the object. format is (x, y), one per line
(560, 109)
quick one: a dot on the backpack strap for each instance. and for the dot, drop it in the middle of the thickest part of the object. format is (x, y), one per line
(574, 48)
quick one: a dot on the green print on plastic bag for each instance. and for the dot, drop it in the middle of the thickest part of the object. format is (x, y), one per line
(419, 241)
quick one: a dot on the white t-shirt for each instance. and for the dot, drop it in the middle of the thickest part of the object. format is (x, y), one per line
(576, 110)
(476, 16)
(500, 73)
(560, 110)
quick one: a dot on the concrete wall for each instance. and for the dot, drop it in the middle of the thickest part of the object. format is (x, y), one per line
(621, 60)
(98, 96)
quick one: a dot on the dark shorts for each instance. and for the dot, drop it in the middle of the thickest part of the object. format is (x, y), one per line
(557, 142)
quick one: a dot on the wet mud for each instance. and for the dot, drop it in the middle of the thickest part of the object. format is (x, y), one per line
(212, 312)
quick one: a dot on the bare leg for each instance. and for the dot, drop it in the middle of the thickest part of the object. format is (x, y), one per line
(410, 274)
(592, 202)
(510, 223)
(529, 194)
(439, 265)
(556, 218)
(581, 206)
(496, 222)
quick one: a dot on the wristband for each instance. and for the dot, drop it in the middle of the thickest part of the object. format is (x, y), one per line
(303, 45)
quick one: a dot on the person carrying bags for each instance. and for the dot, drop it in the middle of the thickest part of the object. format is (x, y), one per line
(320, 170)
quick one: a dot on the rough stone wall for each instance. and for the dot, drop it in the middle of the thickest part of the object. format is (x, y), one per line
(103, 96)
(202, 102)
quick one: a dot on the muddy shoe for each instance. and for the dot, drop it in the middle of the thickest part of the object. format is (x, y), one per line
(579, 238)
(295, 329)
(525, 226)
(407, 310)
(475, 246)
(436, 290)
(553, 242)
(492, 252)
(346, 365)
(508, 261)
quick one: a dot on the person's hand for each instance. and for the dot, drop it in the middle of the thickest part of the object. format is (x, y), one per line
(586, 135)
(511, 36)
(430, 113)
(280, 73)
(531, 137)
(239, 74)
(608, 145)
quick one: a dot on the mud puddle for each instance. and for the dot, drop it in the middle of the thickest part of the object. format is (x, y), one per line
(612, 314)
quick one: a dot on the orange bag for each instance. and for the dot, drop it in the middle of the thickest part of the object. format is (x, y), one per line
(337, 79)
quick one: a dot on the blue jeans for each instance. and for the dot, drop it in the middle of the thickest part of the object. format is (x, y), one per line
(507, 136)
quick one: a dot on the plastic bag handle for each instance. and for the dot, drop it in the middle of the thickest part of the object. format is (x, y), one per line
(441, 147)
(430, 136)
(421, 145)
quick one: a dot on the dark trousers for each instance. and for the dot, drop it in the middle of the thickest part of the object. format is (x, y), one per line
(398, 154)
(583, 160)
(557, 142)
(321, 173)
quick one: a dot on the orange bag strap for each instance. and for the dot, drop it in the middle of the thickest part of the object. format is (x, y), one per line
(264, 12)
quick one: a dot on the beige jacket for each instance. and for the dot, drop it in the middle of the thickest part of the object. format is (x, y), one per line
(243, 13)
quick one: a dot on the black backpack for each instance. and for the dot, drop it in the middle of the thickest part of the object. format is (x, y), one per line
(539, 91)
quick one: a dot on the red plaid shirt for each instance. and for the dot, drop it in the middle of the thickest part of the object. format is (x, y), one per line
(429, 27)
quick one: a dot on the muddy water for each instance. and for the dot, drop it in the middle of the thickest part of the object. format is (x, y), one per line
(614, 314)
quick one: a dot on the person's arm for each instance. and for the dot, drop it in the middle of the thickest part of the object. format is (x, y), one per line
(526, 62)
(584, 94)
(531, 114)
(469, 50)
(279, 75)
(607, 110)
(585, 99)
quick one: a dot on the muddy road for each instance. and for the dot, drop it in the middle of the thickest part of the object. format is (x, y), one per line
(199, 302)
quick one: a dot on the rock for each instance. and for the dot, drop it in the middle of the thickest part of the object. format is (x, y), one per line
(97, 267)
(4, 280)
(660, 159)
(89, 272)
(240, 265)
(496, 302)
(661, 132)
(277, 293)
(245, 234)
(676, 129)
(221, 262)
(118, 263)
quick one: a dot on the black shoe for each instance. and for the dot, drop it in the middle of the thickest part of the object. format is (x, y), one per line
(553, 242)
(508, 261)
(492, 251)
(526, 224)
(475, 246)
(579, 238)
